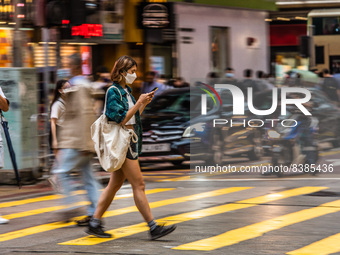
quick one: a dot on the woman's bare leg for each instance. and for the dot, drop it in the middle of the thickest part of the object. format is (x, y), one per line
(132, 172)
(116, 181)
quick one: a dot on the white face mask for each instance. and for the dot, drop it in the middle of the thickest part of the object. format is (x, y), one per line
(130, 78)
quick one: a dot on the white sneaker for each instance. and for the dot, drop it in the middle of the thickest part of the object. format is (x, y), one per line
(55, 183)
(3, 221)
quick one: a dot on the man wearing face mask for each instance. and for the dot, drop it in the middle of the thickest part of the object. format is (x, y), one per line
(229, 77)
(229, 74)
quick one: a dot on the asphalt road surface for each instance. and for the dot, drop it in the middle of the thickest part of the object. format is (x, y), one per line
(216, 213)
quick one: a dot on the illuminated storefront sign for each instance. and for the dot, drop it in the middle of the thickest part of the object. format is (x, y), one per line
(155, 15)
(87, 30)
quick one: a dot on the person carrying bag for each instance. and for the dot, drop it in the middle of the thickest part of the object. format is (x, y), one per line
(111, 140)
(117, 135)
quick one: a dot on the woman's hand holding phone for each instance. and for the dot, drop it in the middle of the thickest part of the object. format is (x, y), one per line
(146, 98)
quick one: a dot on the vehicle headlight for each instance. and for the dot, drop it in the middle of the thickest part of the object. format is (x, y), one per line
(272, 134)
(192, 130)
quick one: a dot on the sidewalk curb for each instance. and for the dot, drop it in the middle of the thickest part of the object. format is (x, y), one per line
(42, 188)
(8, 176)
(39, 188)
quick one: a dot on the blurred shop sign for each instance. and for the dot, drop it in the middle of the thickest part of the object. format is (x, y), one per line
(286, 34)
(155, 15)
(64, 73)
(6, 47)
(113, 31)
(87, 30)
(25, 11)
(112, 18)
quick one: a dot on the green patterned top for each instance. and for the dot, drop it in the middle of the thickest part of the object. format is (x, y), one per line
(116, 110)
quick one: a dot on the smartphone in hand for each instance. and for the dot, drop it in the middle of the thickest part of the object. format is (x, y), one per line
(154, 89)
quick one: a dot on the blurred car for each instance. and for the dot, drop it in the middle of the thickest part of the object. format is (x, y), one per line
(297, 77)
(327, 113)
(174, 130)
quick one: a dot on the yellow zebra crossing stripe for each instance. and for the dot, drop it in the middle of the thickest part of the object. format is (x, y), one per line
(57, 225)
(60, 224)
(325, 246)
(258, 229)
(175, 179)
(328, 153)
(38, 199)
(141, 227)
(41, 210)
(82, 203)
(178, 200)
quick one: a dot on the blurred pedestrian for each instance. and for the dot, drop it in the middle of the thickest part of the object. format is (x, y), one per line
(330, 86)
(249, 82)
(162, 79)
(4, 106)
(326, 73)
(75, 66)
(102, 78)
(229, 77)
(57, 118)
(122, 108)
(229, 74)
(299, 80)
(3, 220)
(75, 146)
(150, 83)
(316, 71)
(57, 111)
(100, 86)
(262, 82)
(213, 78)
(248, 73)
(179, 82)
(213, 75)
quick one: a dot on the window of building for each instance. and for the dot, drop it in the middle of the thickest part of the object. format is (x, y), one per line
(326, 26)
(219, 49)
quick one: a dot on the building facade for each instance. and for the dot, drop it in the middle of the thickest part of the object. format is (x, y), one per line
(212, 38)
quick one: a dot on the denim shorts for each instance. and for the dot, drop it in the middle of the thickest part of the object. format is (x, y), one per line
(133, 148)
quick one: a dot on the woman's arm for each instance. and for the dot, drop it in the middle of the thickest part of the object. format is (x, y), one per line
(4, 104)
(132, 112)
(141, 109)
(151, 95)
(115, 109)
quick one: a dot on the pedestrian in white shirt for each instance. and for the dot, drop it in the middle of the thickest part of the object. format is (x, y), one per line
(57, 111)
(57, 118)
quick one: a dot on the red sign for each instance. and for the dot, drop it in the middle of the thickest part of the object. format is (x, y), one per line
(87, 30)
(286, 35)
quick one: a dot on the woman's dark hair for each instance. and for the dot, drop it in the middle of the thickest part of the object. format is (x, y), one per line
(57, 94)
(123, 64)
